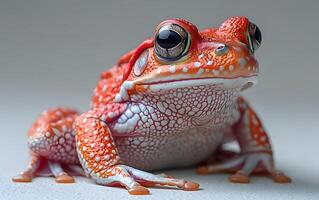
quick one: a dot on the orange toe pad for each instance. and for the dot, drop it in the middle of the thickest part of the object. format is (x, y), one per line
(138, 190)
(191, 186)
(281, 178)
(239, 178)
(64, 178)
(202, 170)
(23, 178)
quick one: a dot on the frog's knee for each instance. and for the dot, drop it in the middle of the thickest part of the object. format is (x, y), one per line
(39, 138)
(39, 144)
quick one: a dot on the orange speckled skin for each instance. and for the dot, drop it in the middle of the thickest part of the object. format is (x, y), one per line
(172, 113)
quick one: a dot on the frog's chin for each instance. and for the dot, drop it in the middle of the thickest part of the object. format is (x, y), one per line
(240, 83)
(129, 88)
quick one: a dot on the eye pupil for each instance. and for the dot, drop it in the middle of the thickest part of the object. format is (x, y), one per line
(258, 35)
(168, 39)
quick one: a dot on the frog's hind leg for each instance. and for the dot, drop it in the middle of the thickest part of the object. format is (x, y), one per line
(256, 155)
(51, 141)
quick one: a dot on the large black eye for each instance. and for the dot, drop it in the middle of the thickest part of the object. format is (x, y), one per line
(254, 37)
(171, 42)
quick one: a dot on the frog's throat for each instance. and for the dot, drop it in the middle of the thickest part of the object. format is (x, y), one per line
(241, 82)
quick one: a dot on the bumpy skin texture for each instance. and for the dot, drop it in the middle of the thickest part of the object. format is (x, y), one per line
(148, 113)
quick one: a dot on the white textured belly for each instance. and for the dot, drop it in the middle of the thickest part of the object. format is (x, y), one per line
(181, 150)
(174, 128)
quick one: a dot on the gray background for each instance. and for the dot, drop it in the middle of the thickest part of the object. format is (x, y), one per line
(52, 52)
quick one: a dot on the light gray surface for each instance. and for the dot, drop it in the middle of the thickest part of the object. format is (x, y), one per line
(51, 53)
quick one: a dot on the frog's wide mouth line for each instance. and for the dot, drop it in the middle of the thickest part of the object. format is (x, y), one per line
(237, 82)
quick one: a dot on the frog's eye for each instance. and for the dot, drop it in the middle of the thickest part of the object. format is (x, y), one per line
(171, 42)
(254, 37)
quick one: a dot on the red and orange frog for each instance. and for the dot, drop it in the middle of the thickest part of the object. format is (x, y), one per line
(172, 102)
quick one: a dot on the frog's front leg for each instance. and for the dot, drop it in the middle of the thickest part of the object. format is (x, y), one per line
(100, 159)
(256, 154)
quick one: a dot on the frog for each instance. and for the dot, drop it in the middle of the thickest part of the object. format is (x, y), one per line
(172, 102)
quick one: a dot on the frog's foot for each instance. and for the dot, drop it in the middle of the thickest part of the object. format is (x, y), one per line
(23, 177)
(27, 175)
(36, 169)
(244, 165)
(136, 181)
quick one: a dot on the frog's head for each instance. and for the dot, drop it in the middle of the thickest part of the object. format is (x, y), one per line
(181, 56)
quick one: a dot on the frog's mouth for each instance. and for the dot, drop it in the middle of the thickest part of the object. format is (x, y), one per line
(136, 87)
(241, 83)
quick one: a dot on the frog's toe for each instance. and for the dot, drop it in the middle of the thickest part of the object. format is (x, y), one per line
(24, 177)
(138, 190)
(281, 178)
(202, 170)
(239, 177)
(64, 178)
(149, 179)
(190, 186)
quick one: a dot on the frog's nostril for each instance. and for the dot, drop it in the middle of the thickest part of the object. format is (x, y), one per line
(221, 49)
